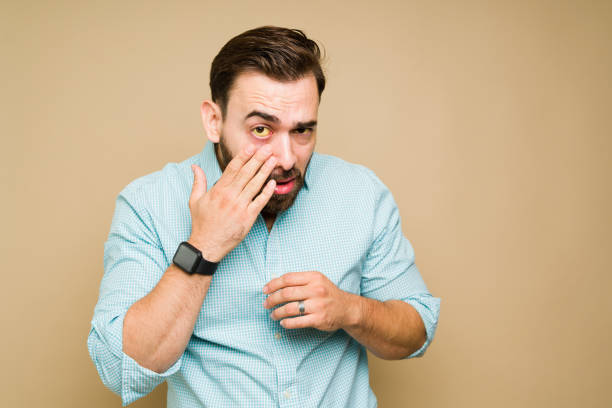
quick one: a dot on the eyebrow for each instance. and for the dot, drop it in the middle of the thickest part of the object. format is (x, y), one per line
(275, 119)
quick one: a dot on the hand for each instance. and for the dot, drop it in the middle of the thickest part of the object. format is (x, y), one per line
(327, 307)
(222, 216)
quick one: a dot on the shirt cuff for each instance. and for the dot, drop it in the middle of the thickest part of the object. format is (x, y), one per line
(120, 372)
(428, 308)
(138, 381)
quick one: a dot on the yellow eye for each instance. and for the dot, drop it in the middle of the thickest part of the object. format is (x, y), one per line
(303, 131)
(261, 131)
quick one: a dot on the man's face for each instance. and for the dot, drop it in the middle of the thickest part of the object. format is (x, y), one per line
(260, 111)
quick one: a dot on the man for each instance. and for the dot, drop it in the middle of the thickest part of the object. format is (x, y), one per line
(257, 272)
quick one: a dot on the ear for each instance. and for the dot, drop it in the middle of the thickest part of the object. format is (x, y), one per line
(212, 120)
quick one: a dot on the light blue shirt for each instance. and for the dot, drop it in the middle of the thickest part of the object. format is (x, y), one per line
(344, 223)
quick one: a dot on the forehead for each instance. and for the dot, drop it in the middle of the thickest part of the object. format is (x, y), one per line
(290, 101)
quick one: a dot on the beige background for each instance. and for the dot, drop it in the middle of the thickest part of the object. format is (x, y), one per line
(489, 121)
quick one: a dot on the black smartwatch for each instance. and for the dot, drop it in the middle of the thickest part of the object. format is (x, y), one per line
(190, 259)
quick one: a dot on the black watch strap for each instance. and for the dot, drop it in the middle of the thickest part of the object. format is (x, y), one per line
(206, 267)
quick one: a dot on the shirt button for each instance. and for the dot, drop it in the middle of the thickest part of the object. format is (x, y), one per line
(287, 394)
(277, 335)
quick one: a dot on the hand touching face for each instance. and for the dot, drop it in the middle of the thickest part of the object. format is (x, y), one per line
(222, 216)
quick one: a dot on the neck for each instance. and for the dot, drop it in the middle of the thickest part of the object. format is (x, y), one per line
(269, 220)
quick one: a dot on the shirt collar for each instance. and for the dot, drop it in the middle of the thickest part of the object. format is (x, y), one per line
(208, 162)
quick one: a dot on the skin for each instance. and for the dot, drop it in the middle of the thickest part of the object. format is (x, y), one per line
(158, 327)
(391, 330)
(291, 103)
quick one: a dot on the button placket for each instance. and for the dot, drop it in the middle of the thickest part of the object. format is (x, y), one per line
(270, 273)
(279, 353)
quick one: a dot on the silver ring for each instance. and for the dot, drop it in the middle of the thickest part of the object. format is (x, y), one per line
(301, 307)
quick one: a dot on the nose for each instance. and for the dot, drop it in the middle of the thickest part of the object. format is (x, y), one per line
(283, 150)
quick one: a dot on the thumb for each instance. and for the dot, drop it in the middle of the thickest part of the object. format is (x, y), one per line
(199, 184)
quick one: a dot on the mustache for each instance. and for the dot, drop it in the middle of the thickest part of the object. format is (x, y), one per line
(285, 175)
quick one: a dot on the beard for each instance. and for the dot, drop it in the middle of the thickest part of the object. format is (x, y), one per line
(278, 202)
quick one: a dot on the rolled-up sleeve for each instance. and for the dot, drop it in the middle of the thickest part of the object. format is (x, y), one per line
(133, 264)
(390, 271)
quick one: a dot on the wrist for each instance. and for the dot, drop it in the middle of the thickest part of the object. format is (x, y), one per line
(207, 253)
(355, 311)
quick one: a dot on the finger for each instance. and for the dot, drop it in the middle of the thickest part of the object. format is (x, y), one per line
(288, 294)
(199, 184)
(262, 199)
(299, 322)
(254, 186)
(248, 170)
(289, 279)
(234, 166)
(290, 309)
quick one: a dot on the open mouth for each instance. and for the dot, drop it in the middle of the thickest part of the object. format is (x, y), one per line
(284, 186)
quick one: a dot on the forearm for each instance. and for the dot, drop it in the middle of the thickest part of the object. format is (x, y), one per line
(157, 328)
(391, 330)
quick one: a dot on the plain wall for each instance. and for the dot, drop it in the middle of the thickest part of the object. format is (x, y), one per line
(489, 122)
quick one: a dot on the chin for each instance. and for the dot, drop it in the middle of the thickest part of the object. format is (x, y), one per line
(279, 203)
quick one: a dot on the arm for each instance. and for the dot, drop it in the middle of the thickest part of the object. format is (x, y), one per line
(395, 301)
(157, 328)
(391, 330)
(147, 310)
(393, 315)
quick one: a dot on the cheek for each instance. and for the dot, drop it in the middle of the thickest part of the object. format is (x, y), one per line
(303, 157)
(256, 141)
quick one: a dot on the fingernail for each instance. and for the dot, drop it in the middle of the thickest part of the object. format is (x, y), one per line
(266, 149)
(265, 289)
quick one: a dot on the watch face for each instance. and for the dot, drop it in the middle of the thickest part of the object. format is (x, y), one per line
(185, 257)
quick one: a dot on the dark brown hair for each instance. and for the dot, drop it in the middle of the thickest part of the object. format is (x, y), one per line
(281, 53)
